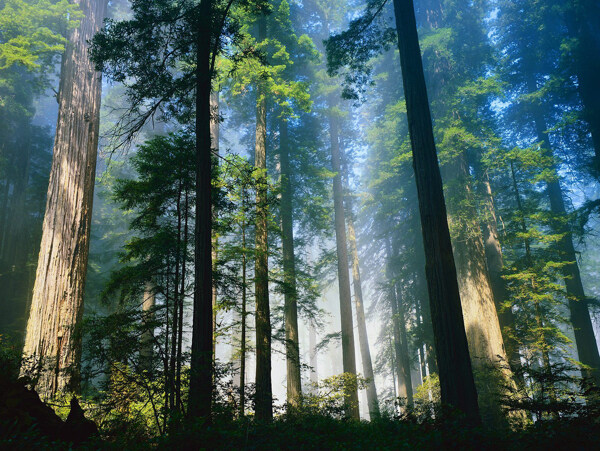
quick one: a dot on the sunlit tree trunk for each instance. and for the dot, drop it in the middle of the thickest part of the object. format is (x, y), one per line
(52, 343)
(264, 396)
(201, 364)
(495, 265)
(456, 377)
(348, 356)
(292, 349)
(484, 335)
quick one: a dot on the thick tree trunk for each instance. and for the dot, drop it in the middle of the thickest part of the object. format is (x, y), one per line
(456, 377)
(292, 348)
(348, 356)
(495, 265)
(480, 315)
(264, 396)
(201, 365)
(363, 337)
(52, 343)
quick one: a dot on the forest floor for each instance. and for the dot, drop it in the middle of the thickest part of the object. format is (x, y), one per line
(324, 433)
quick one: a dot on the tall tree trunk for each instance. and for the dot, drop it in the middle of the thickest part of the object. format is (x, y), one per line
(52, 342)
(201, 365)
(480, 315)
(363, 337)
(176, 301)
(292, 347)
(214, 140)
(456, 377)
(264, 396)
(585, 340)
(495, 265)
(348, 357)
(244, 314)
(181, 297)
(400, 337)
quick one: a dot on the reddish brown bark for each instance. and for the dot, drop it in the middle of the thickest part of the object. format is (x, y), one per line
(52, 345)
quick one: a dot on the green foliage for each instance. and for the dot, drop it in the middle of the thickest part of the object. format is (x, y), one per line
(33, 32)
(153, 54)
(271, 63)
(329, 396)
(350, 53)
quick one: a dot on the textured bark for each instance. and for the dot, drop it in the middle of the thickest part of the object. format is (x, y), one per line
(201, 364)
(484, 335)
(264, 395)
(456, 377)
(52, 344)
(363, 337)
(495, 264)
(348, 356)
(585, 340)
(292, 348)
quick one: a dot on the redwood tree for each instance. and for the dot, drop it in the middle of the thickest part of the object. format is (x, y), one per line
(52, 346)
(456, 376)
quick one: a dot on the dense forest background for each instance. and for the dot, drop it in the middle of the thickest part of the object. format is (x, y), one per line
(221, 213)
